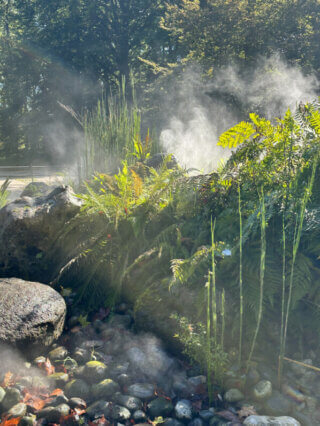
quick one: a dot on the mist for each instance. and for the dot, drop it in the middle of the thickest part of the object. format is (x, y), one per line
(205, 110)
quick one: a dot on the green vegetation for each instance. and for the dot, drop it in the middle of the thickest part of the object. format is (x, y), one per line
(4, 193)
(72, 52)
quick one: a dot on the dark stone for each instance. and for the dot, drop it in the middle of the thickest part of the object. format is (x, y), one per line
(12, 397)
(36, 189)
(30, 313)
(160, 407)
(28, 234)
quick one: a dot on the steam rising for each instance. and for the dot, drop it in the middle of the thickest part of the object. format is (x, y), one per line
(203, 114)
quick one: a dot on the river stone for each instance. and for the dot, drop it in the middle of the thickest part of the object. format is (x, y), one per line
(30, 313)
(271, 421)
(2, 394)
(183, 409)
(28, 230)
(97, 408)
(77, 403)
(59, 379)
(53, 414)
(130, 402)
(27, 420)
(196, 422)
(116, 412)
(262, 390)
(139, 415)
(206, 415)
(253, 377)
(277, 405)
(197, 380)
(95, 371)
(58, 354)
(143, 391)
(172, 422)
(77, 388)
(105, 389)
(18, 410)
(11, 398)
(233, 395)
(160, 407)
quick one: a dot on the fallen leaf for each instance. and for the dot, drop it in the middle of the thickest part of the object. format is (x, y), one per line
(10, 422)
(247, 411)
(8, 380)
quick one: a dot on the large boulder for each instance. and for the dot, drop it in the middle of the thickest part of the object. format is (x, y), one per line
(29, 228)
(31, 313)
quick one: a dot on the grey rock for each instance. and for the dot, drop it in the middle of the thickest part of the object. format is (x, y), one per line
(81, 355)
(105, 389)
(183, 409)
(196, 422)
(77, 403)
(95, 371)
(28, 229)
(197, 380)
(53, 414)
(58, 354)
(18, 410)
(58, 400)
(30, 313)
(253, 377)
(97, 408)
(27, 421)
(123, 379)
(233, 395)
(206, 415)
(12, 397)
(182, 386)
(59, 379)
(160, 407)
(77, 388)
(36, 189)
(116, 412)
(130, 402)
(277, 405)
(271, 421)
(139, 415)
(2, 394)
(262, 390)
(172, 422)
(144, 391)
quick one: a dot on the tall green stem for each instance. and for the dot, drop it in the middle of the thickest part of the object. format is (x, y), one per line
(240, 274)
(296, 243)
(262, 269)
(213, 273)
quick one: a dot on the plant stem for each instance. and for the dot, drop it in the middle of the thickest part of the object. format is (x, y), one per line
(240, 275)
(296, 243)
(262, 269)
(213, 273)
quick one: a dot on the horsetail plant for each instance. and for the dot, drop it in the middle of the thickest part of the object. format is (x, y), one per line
(262, 270)
(296, 243)
(240, 273)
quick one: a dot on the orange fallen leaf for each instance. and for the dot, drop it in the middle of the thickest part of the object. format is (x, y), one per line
(47, 366)
(8, 380)
(56, 392)
(10, 422)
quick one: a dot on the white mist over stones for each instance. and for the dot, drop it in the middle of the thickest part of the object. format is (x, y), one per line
(270, 88)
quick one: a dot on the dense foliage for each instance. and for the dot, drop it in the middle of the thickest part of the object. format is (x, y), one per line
(71, 51)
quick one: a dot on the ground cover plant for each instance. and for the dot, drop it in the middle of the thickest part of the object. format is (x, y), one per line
(148, 238)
